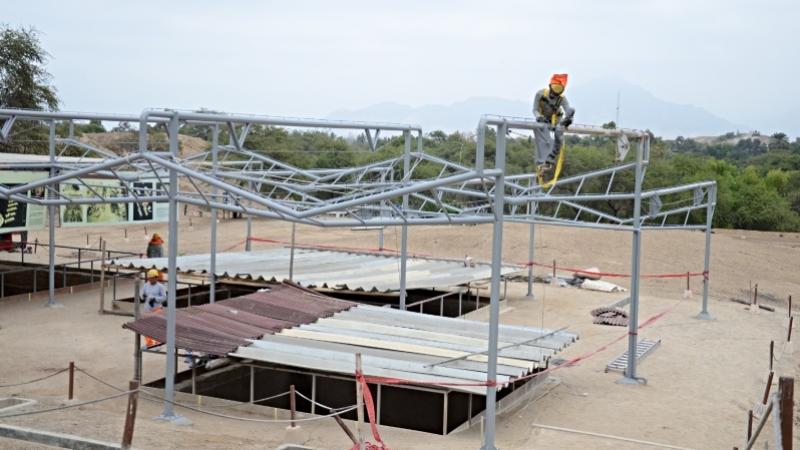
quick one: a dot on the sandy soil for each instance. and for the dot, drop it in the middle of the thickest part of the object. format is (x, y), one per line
(701, 381)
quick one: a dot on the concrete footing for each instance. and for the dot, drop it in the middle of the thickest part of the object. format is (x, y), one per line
(54, 439)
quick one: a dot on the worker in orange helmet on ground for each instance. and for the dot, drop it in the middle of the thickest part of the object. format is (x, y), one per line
(155, 248)
(551, 107)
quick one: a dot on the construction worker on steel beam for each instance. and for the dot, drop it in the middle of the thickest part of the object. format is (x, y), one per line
(551, 107)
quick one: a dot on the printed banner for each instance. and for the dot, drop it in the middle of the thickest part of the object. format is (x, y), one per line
(18, 216)
(110, 213)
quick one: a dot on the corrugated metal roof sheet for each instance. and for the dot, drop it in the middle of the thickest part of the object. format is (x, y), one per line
(406, 345)
(330, 269)
(221, 327)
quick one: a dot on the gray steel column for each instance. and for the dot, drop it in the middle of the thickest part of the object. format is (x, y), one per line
(633, 321)
(494, 306)
(531, 236)
(212, 266)
(172, 275)
(383, 206)
(291, 254)
(51, 213)
(404, 234)
(712, 202)
(531, 241)
(247, 244)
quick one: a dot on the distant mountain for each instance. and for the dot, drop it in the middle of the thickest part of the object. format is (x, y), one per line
(461, 116)
(595, 102)
(641, 109)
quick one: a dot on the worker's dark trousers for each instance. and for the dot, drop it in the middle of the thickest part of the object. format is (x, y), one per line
(547, 142)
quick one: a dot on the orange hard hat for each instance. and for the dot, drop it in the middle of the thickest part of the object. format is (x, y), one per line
(559, 79)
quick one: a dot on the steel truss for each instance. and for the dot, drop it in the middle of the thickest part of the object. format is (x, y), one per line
(393, 192)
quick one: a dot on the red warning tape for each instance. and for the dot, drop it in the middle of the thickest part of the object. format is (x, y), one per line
(703, 274)
(650, 321)
(367, 395)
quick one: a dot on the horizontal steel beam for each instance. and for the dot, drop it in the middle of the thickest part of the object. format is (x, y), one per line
(222, 118)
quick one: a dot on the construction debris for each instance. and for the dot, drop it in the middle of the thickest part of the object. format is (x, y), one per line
(746, 303)
(602, 286)
(595, 275)
(643, 348)
(606, 315)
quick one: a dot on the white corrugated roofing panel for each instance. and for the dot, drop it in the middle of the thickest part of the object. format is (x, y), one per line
(419, 348)
(331, 269)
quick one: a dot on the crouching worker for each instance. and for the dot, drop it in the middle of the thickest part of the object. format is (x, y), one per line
(551, 107)
(155, 248)
(153, 292)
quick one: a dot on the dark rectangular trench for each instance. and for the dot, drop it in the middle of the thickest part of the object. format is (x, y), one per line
(27, 278)
(430, 410)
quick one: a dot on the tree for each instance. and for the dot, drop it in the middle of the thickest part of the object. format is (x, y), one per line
(24, 81)
(780, 140)
(610, 125)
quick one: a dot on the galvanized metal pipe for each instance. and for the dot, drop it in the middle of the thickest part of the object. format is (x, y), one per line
(472, 219)
(531, 245)
(404, 231)
(51, 224)
(712, 201)
(633, 320)
(68, 175)
(494, 305)
(172, 274)
(211, 118)
(291, 254)
(248, 244)
(212, 264)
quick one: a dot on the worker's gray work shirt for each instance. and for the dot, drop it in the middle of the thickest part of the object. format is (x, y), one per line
(155, 251)
(155, 292)
(545, 105)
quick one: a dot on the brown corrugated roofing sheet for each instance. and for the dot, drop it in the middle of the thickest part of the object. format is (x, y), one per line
(222, 327)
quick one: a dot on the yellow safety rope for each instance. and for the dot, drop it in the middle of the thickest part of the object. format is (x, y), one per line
(559, 163)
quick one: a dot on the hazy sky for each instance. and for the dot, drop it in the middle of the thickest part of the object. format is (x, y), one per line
(738, 59)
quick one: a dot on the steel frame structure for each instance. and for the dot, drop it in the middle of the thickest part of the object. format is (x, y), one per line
(231, 177)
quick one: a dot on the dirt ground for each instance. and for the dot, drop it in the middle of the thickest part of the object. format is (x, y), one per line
(700, 382)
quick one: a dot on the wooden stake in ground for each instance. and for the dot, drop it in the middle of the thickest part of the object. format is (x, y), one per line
(130, 416)
(292, 406)
(771, 354)
(71, 388)
(754, 303)
(769, 385)
(749, 424)
(786, 393)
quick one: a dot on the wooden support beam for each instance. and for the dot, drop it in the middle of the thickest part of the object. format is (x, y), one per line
(130, 415)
